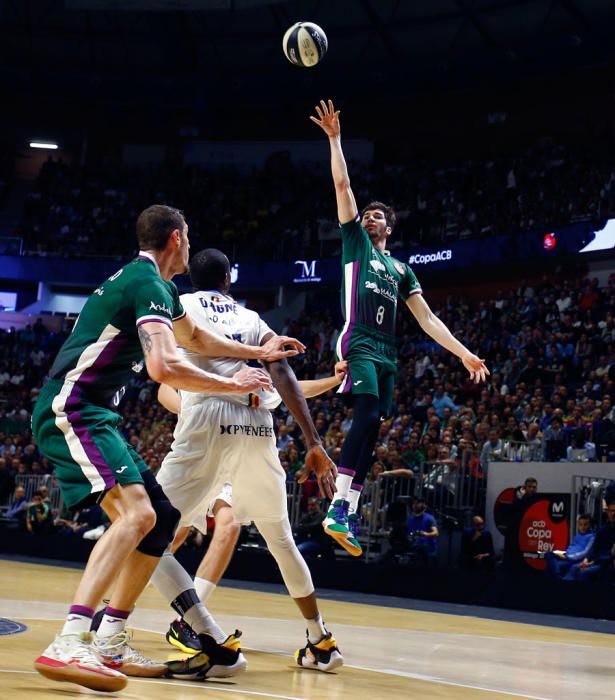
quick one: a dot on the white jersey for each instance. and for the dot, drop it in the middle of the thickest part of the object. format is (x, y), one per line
(221, 314)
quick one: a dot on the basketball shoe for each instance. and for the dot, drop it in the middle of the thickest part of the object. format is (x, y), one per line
(213, 661)
(233, 641)
(322, 656)
(115, 652)
(182, 636)
(73, 658)
(336, 525)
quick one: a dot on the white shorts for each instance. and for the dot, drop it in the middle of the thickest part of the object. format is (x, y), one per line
(219, 442)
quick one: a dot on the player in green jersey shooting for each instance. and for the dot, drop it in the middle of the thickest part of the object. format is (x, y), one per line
(372, 282)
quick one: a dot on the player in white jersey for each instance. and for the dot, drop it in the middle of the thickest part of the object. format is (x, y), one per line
(226, 532)
(220, 441)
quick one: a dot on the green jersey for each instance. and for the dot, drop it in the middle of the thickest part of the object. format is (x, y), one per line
(104, 347)
(372, 281)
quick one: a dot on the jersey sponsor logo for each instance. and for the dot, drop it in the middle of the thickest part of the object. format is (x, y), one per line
(122, 469)
(137, 367)
(308, 271)
(430, 257)
(249, 430)
(100, 291)
(359, 381)
(378, 266)
(387, 293)
(159, 307)
(399, 267)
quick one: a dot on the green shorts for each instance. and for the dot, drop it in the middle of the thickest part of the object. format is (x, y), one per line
(372, 366)
(82, 442)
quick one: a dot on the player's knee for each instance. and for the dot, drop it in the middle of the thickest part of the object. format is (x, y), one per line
(141, 519)
(229, 531)
(161, 534)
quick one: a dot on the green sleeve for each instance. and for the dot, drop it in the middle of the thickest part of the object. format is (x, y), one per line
(354, 239)
(154, 302)
(409, 284)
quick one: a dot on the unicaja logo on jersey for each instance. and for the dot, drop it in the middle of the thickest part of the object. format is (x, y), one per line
(308, 271)
(377, 265)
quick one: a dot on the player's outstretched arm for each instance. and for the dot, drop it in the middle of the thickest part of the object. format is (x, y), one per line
(210, 344)
(316, 387)
(316, 460)
(329, 121)
(435, 328)
(167, 366)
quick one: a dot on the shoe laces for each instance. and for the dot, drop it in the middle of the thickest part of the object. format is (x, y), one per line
(186, 629)
(354, 524)
(118, 645)
(340, 510)
(81, 649)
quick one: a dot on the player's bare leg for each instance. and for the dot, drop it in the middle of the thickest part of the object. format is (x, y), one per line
(71, 657)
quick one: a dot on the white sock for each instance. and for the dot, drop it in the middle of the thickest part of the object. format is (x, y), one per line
(202, 621)
(316, 629)
(77, 623)
(342, 484)
(353, 499)
(203, 588)
(110, 626)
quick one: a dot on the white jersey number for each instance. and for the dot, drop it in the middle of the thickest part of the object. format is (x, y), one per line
(380, 315)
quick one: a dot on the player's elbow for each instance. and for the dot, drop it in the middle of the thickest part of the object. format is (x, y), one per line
(342, 185)
(158, 370)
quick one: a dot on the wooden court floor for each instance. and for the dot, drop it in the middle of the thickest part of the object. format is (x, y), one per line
(389, 652)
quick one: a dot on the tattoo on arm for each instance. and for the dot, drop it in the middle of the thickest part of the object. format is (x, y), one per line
(146, 340)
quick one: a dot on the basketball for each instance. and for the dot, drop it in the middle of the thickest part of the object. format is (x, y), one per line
(305, 44)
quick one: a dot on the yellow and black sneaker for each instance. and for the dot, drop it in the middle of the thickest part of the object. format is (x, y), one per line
(213, 661)
(233, 641)
(182, 636)
(322, 656)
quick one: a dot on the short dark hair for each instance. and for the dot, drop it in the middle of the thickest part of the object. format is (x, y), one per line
(585, 516)
(156, 223)
(208, 269)
(389, 212)
(531, 480)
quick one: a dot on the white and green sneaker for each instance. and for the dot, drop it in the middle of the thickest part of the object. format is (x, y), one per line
(335, 524)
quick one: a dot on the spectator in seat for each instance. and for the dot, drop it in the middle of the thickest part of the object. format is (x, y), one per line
(312, 541)
(19, 505)
(38, 516)
(554, 446)
(477, 546)
(559, 562)
(601, 558)
(492, 450)
(85, 519)
(423, 533)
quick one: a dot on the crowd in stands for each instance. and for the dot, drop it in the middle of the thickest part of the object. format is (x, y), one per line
(550, 346)
(269, 212)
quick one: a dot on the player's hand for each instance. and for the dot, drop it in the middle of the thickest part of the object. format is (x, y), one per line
(279, 347)
(476, 367)
(251, 379)
(317, 461)
(341, 368)
(328, 119)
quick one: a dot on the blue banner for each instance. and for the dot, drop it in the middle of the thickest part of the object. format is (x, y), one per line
(491, 251)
